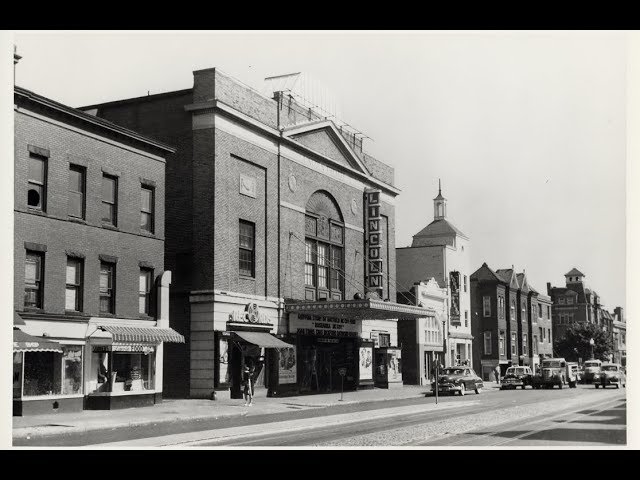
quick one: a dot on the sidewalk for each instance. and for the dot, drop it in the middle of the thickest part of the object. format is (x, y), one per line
(197, 410)
(204, 410)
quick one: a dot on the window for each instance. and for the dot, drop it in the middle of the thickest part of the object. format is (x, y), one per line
(324, 262)
(569, 300)
(514, 345)
(539, 310)
(76, 191)
(107, 287)
(37, 182)
(561, 300)
(52, 373)
(501, 307)
(109, 200)
(486, 306)
(487, 343)
(465, 283)
(144, 291)
(542, 332)
(534, 312)
(525, 347)
(524, 312)
(624, 338)
(466, 318)
(535, 345)
(384, 339)
(147, 210)
(247, 249)
(33, 280)
(501, 343)
(549, 335)
(513, 309)
(73, 292)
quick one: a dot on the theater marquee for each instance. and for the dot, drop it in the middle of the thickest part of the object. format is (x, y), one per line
(373, 223)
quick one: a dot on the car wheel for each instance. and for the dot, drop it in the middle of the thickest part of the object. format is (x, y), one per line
(523, 387)
(597, 386)
(478, 390)
(560, 385)
(617, 385)
(462, 390)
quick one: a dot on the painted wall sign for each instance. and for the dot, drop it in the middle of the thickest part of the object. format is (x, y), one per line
(287, 366)
(248, 186)
(454, 284)
(133, 348)
(373, 232)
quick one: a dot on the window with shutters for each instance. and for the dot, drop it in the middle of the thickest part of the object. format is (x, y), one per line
(33, 279)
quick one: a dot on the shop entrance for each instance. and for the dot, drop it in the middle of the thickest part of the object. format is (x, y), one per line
(319, 360)
(245, 354)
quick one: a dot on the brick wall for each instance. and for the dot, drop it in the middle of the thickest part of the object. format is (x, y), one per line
(87, 238)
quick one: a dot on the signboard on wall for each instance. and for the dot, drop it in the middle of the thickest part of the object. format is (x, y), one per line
(373, 232)
(323, 326)
(366, 363)
(287, 366)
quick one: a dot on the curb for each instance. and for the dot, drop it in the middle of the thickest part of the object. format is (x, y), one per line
(28, 433)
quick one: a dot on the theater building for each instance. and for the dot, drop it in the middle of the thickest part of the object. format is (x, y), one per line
(280, 234)
(91, 295)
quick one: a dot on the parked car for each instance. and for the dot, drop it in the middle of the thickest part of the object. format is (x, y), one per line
(517, 377)
(591, 368)
(458, 379)
(610, 374)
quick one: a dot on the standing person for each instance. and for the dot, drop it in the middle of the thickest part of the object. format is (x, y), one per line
(496, 372)
(247, 375)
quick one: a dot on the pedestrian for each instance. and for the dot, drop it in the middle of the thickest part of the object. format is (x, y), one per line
(248, 385)
(496, 372)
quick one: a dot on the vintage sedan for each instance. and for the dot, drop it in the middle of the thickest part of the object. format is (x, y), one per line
(458, 379)
(517, 377)
(610, 374)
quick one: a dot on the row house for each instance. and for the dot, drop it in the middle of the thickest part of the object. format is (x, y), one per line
(280, 234)
(511, 321)
(91, 301)
(439, 252)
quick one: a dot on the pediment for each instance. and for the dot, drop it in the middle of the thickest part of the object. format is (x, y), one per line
(325, 139)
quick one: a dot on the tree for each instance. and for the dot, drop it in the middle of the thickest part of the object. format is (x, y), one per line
(575, 343)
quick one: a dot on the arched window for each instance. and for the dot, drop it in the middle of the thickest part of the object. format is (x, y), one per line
(324, 248)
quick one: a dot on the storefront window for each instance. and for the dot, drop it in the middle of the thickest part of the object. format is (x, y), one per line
(123, 371)
(50, 373)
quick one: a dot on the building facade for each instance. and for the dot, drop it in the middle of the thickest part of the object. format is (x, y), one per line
(512, 325)
(423, 340)
(619, 331)
(440, 250)
(280, 232)
(91, 293)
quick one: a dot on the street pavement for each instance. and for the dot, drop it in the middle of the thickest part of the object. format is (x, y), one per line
(397, 417)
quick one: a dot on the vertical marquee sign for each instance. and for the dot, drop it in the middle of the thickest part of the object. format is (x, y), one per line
(454, 284)
(373, 233)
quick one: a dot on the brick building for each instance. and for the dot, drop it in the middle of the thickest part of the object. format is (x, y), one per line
(511, 321)
(440, 250)
(268, 206)
(90, 286)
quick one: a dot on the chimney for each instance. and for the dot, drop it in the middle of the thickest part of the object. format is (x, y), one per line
(549, 288)
(16, 59)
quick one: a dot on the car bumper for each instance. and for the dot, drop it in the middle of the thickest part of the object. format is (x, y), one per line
(447, 388)
(512, 383)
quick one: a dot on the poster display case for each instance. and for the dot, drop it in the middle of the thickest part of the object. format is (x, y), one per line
(388, 367)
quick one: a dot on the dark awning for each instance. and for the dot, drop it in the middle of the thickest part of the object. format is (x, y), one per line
(367, 309)
(263, 339)
(142, 334)
(23, 342)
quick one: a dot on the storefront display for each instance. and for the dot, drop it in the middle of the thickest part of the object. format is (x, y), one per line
(287, 366)
(366, 363)
(122, 368)
(388, 371)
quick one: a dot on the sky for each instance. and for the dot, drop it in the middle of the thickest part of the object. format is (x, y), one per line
(526, 130)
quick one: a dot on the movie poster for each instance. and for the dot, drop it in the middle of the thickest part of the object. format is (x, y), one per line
(287, 366)
(395, 372)
(223, 360)
(366, 363)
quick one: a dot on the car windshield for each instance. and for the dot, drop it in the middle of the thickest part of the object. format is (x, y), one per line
(452, 371)
(517, 371)
(591, 364)
(610, 368)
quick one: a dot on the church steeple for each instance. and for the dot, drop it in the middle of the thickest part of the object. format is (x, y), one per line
(439, 205)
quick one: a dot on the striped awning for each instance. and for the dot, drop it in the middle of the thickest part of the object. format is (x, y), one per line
(123, 334)
(23, 342)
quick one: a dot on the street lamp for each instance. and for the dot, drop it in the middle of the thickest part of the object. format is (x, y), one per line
(592, 343)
